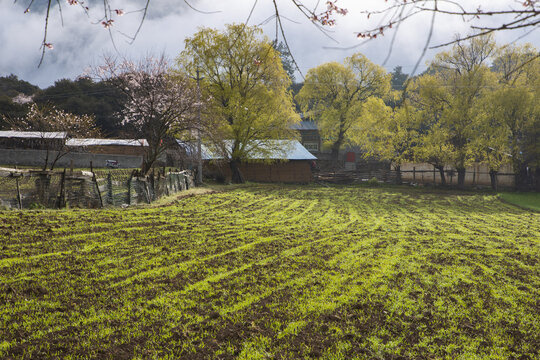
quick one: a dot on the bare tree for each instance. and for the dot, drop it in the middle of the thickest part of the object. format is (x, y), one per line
(523, 14)
(513, 16)
(159, 105)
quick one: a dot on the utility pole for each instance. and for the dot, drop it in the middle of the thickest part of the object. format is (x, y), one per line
(199, 145)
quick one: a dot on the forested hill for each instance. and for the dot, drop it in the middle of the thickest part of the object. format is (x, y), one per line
(81, 96)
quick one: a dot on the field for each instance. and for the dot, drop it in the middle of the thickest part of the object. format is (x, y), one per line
(275, 272)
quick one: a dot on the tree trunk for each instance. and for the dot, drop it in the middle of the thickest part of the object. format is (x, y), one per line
(441, 173)
(236, 174)
(460, 177)
(46, 161)
(335, 154)
(536, 179)
(148, 162)
(493, 179)
(336, 146)
(521, 177)
(398, 175)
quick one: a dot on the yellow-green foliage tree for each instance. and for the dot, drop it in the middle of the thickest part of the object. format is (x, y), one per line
(509, 130)
(430, 100)
(245, 79)
(452, 95)
(389, 134)
(333, 94)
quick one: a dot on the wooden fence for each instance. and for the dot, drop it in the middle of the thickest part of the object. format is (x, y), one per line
(426, 177)
(27, 189)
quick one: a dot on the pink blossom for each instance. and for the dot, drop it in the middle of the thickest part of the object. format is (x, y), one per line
(107, 24)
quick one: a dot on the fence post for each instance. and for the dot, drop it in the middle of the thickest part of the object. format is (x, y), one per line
(62, 195)
(94, 180)
(128, 200)
(148, 195)
(414, 173)
(19, 199)
(43, 184)
(434, 182)
(109, 189)
(152, 186)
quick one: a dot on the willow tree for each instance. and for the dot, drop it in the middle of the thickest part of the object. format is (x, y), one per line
(333, 95)
(243, 75)
(461, 79)
(512, 112)
(390, 134)
(430, 99)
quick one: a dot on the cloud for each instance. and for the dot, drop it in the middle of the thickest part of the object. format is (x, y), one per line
(82, 41)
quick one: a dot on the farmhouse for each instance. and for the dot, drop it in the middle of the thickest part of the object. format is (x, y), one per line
(287, 162)
(109, 146)
(31, 139)
(33, 148)
(309, 135)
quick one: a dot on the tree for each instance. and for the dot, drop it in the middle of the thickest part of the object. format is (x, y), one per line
(430, 99)
(12, 86)
(286, 59)
(398, 78)
(159, 103)
(513, 16)
(83, 96)
(520, 15)
(387, 133)
(512, 112)
(245, 79)
(460, 80)
(333, 94)
(47, 119)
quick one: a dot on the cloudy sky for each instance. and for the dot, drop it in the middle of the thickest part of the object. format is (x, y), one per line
(81, 41)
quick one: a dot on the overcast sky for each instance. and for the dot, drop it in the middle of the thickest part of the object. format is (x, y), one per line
(82, 41)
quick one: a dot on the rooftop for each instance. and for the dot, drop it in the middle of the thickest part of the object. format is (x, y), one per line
(305, 125)
(105, 142)
(262, 150)
(33, 134)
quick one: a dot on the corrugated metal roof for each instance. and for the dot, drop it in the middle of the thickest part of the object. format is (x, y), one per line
(104, 142)
(33, 134)
(264, 149)
(305, 125)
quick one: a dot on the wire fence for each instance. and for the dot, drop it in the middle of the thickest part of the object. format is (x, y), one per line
(29, 189)
(425, 177)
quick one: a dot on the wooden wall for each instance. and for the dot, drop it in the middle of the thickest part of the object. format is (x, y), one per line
(294, 171)
(114, 149)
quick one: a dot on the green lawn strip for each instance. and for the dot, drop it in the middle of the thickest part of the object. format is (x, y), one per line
(528, 200)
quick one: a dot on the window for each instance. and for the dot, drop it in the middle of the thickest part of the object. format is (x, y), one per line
(311, 146)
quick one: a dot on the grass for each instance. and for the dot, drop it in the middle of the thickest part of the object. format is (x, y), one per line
(528, 200)
(268, 271)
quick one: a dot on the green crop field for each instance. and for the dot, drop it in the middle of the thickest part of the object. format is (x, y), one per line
(275, 272)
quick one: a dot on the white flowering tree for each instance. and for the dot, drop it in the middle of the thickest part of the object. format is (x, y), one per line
(54, 127)
(159, 104)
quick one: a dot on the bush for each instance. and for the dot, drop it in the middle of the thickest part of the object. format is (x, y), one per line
(372, 182)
